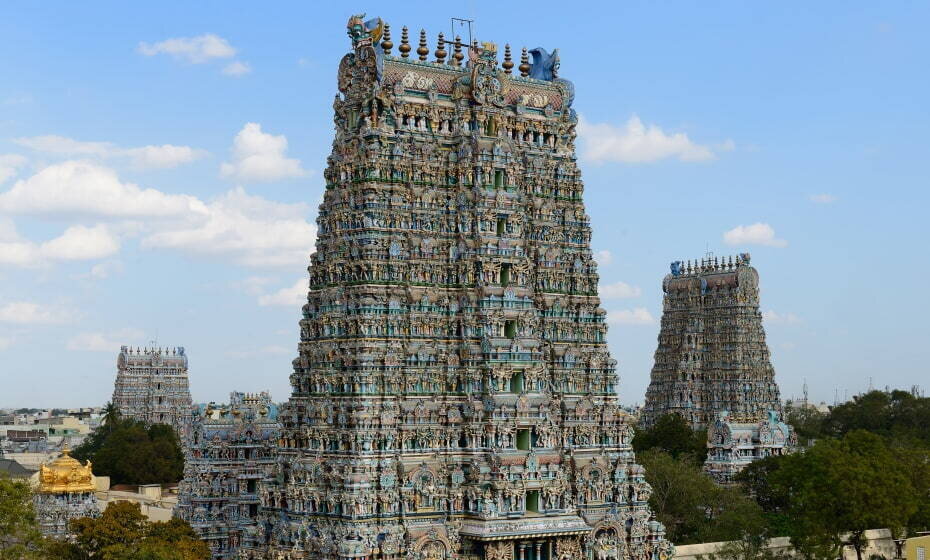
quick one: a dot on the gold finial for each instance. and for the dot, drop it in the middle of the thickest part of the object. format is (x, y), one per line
(440, 49)
(457, 55)
(508, 64)
(404, 43)
(386, 43)
(423, 50)
(524, 64)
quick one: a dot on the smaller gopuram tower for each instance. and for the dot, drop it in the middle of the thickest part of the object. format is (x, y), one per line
(712, 356)
(151, 386)
(65, 492)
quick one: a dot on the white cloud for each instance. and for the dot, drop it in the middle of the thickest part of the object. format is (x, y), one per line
(76, 243)
(258, 156)
(28, 313)
(84, 188)
(253, 231)
(104, 342)
(619, 290)
(822, 198)
(604, 257)
(294, 295)
(638, 316)
(639, 143)
(780, 318)
(755, 234)
(145, 157)
(195, 50)
(104, 270)
(9, 165)
(237, 68)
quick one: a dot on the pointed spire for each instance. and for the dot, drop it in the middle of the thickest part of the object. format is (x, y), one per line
(508, 63)
(404, 43)
(441, 49)
(423, 50)
(524, 64)
(386, 43)
(457, 55)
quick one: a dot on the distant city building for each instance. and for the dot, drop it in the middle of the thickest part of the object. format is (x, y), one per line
(712, 356)
(232, 449)
(65, 492)
(734, 441)
(152, 386)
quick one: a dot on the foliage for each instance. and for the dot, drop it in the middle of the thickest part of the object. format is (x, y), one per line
(693, 508)
(807, 423)
(672, 434)
(835, 487)
(897, 414)
(130, 453)
(123, 533)
(20, 538)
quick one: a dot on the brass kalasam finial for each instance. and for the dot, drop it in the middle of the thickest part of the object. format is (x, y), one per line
(441, 49)
(404, 43)
(386, 43)
(508, 63)
(423, 50)
(524, 64)
(457, 55)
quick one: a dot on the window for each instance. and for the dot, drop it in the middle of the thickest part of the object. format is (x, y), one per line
(505, 274)
(501, 225)
(532, 501)
(921, 553)
(516, 383)
(523, 439)
(510, 329)
(498, 178)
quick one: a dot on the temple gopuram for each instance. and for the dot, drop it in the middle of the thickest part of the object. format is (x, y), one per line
(231, 452)
(65, 491)
(152, 387)
(453, 396)
(712, 357)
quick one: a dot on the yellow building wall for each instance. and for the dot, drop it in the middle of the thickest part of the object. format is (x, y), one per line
(917, 548)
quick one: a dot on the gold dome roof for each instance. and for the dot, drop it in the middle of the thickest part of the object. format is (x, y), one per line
(66, 475)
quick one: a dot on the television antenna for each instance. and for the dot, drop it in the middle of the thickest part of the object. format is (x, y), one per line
(462, 24)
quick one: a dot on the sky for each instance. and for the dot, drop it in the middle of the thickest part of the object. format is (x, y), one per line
(161, 168)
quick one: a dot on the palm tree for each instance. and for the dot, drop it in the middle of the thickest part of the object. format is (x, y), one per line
(110, 415)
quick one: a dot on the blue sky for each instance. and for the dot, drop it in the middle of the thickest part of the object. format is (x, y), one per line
(161, 164)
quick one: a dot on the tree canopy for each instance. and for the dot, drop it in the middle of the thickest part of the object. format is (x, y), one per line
(20, 538)
(130, 453)
(672, 434)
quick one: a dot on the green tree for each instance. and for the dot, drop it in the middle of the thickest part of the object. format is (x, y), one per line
(693, 508)
(20, 538)
(672, 434)
(111, 415)
(808, 423)
(130, 453)
(123, 533)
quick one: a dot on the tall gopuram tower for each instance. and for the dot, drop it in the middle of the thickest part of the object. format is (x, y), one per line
(453, 397)
(151, 386)
(712, 357)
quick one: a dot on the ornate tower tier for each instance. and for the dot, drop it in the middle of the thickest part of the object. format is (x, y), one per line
(712, 356)
(151, 386)
(453, 396)
(65, 492)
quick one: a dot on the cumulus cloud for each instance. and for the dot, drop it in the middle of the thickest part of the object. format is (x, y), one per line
(822, 198)
(102, 271)
(604, 257)
(638, 316)
(76, 243)
(257, 157)
(85, 188)
(29, 313)
(636, 142)
(237, 68)
(780, 318)
(755, 234)
(253, 231)
(294, 295)
(618, 290)
(196, 50)
(165, 156)
(9, 165)
(104, 342)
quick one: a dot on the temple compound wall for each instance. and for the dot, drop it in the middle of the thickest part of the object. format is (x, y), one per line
(231, 452)
(712, 356)
(453, 395)
(152, 387)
